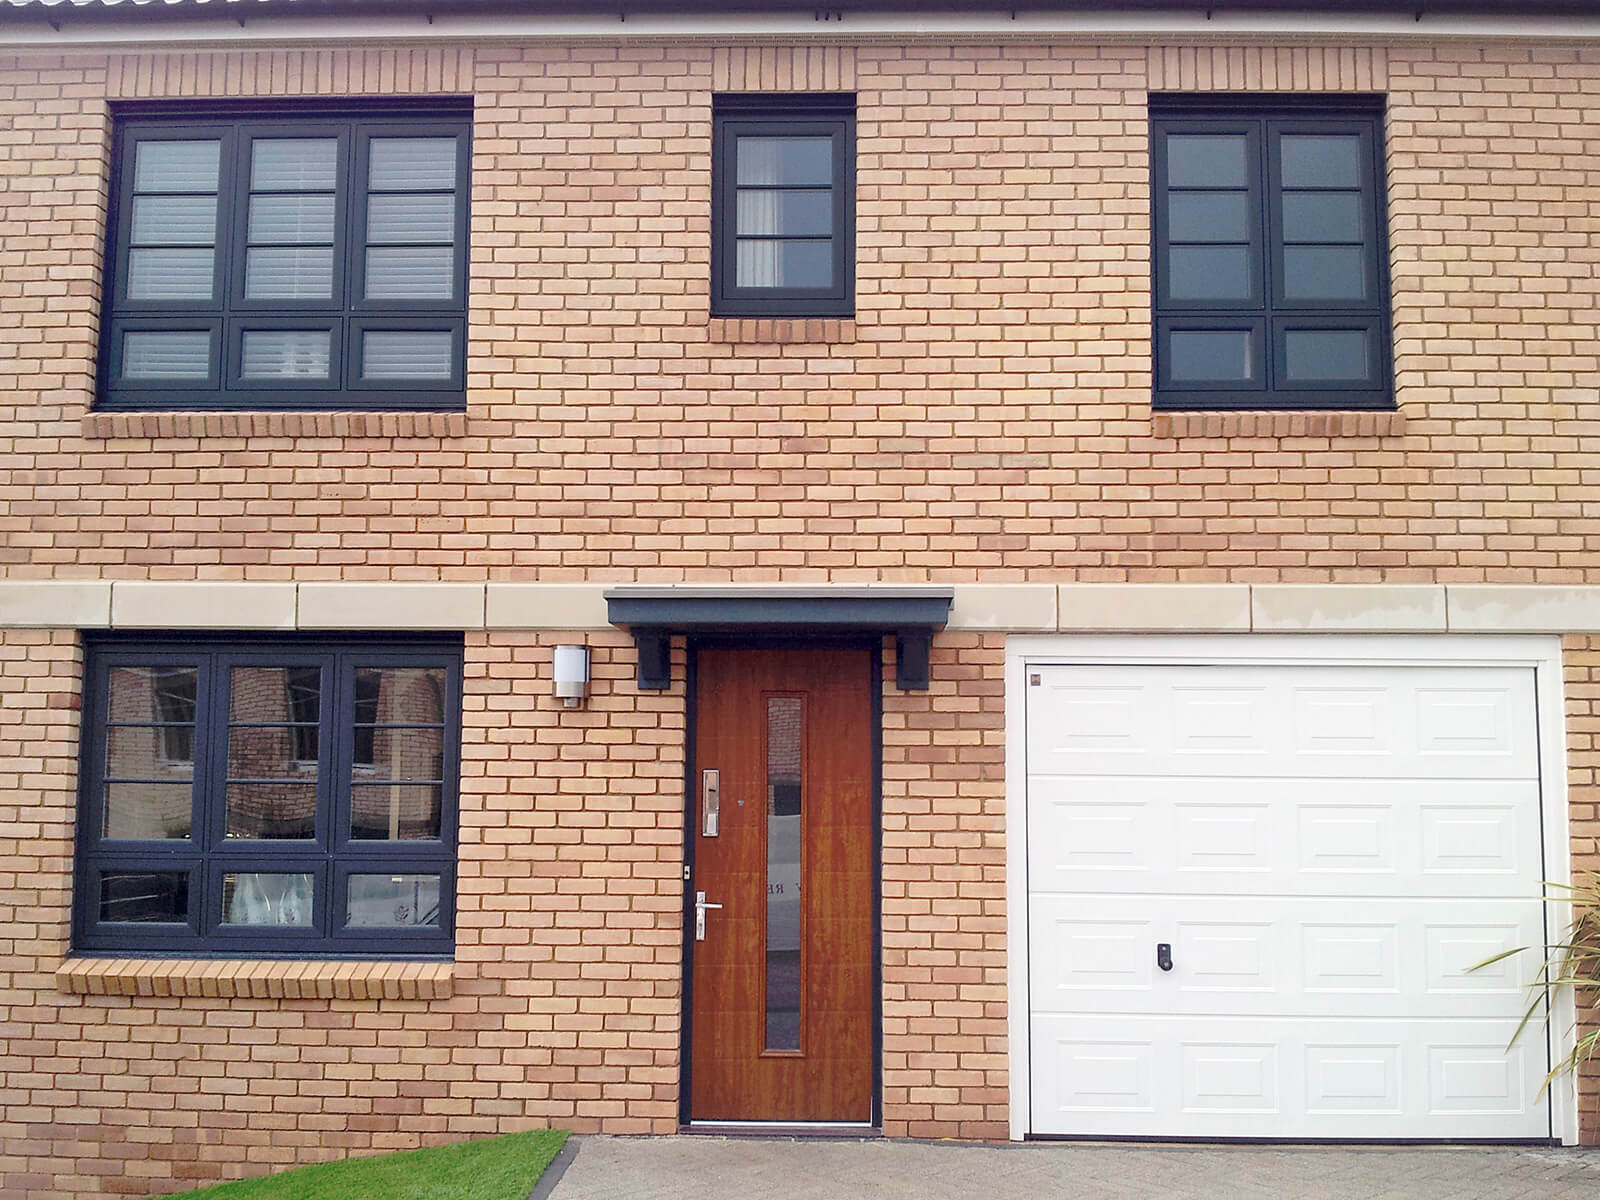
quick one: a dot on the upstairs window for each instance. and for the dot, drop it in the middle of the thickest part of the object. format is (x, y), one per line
(1270, 282)
(783, 207)
(305, 260)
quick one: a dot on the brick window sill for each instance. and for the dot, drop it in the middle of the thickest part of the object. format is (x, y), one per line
(153, 425)
(1279, 424)
(257, 978)
(782, 331)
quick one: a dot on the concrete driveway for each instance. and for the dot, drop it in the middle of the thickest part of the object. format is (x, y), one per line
(710, 1168)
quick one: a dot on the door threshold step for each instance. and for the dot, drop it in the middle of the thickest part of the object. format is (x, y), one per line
(783, 1129)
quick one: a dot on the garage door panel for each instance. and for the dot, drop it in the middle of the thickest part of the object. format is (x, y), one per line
(1292, 1078)
(1283, 836)
(1336, 721)
(1326, 958)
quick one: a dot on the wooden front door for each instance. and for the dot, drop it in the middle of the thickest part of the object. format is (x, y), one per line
(782, 1020)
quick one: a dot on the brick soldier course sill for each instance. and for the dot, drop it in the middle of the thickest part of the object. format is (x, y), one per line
(274, 424)
(782, 330)
(257, 979)
(1278, 424)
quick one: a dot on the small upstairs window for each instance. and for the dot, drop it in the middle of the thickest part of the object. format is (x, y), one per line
(303, 259)
(783, 205)
(1271, 287)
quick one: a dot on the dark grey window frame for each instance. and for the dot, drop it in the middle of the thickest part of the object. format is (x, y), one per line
(227, 316)
(1269, 313)
(787, 114)
(331, 856)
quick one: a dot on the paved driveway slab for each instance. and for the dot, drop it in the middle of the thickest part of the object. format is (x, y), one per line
(707, 1168)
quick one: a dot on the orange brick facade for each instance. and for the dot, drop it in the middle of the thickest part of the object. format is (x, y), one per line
(985, 417)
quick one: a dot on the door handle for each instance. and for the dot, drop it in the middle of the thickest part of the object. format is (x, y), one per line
(1163, 954)
(711, 801)
(700, 906)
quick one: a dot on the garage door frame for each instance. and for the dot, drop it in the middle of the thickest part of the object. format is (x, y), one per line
(1023, 653)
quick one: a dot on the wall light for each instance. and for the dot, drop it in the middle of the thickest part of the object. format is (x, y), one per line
(572, 674)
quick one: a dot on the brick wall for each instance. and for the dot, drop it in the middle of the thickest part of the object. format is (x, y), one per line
(985, 415)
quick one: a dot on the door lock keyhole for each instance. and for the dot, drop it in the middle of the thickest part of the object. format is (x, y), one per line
(1164, 955)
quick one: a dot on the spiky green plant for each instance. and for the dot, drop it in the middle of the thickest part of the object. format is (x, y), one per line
(1571, 964)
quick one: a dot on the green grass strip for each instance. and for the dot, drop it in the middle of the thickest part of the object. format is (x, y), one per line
(502, 1168)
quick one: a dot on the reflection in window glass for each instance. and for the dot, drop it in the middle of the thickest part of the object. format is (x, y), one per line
(785, 742)
(144, 897)
(267, 898)
(393, 901)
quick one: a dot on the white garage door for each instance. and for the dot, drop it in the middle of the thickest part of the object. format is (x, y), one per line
(1324, 849)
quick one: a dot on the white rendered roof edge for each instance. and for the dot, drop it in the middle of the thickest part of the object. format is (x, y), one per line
(30, 27)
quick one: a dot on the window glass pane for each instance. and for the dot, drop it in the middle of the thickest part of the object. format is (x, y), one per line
(783, 264)
(411, 219)
(293, 164)
(1322, 217)
(400, 753)
(285, 353)
(1208, 217)
(1209, 272)
(174, 220)
(1212, 356)
(153, 752)
(395, 811)
(171, 274)
(144, 897)
(186, 166)
(273, 695)
(412, 164)
(1324, 273)
(796, 214)
(166, 354)
(290, 220)
(1321, 160)
(267, 898)
(785, 747)
(299, 273)
(393, 901)
(1326, 355)
(151, 694)
(1206, 160)
(784, 160)
(410, 272)
(150, 811)
(281, 752)
(272, 810)
(400, 695)
(408, 355)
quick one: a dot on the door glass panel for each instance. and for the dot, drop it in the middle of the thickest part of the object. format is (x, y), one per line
(1212, 356)
(177, 166)
(1326, 355)
(785, 743)
(289, 273)
(410, 272)
(145, 897)
(412, 164)
(293, 164)
(393, 902)
(267, 898)
(174, 220)
(1206, 160)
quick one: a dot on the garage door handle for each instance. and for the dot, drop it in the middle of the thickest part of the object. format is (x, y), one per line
(1164, 955)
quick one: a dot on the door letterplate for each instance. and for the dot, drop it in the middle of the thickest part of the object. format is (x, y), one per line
(700, 906)
(711, 800)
